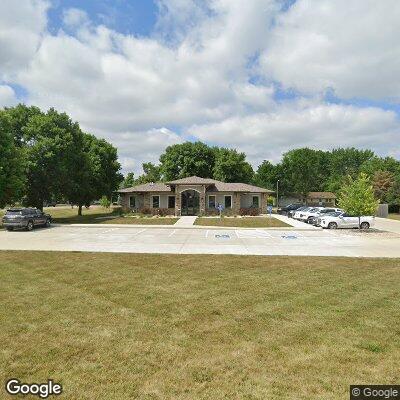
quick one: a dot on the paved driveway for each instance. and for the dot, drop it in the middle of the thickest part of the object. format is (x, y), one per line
(204, 241)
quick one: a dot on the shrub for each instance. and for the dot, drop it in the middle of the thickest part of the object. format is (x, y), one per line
(105, 202)
(249, 211)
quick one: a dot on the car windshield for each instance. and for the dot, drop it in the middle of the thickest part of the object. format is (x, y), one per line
(334, 214)
(14, 212)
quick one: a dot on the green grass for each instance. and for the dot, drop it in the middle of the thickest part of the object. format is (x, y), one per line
(122, 326)
(245, 222)
(97, 215)
(394, 216)
(142, 221)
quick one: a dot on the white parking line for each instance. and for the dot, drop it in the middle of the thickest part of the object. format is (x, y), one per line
(137, 233)
(109, 230)
(172, 233)
(207, 233)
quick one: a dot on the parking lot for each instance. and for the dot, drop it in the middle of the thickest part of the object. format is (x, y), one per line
(129, 239)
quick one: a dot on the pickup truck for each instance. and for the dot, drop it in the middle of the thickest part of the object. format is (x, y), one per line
(25, 218)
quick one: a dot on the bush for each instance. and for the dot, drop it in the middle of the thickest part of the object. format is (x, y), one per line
(105, 202)
(249, 211)
(162, 212)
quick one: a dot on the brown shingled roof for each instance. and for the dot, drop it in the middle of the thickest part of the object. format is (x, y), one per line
(213, 186)
(192, 180)
(321, 195)
(147, 187)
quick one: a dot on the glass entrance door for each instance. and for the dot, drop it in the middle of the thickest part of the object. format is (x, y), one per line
(190, 202)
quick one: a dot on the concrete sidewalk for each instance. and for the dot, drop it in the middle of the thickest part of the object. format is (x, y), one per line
(386, 224)
(294, 223)
(188, 240)
(185, 221)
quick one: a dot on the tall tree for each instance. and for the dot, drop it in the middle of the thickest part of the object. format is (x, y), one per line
(357, 197)
(344, 162)
(267, 175)
(11, 163)
(151, 173)
(304, 170)
(129, 181)
(187, 159)
(50, 142)
(19, 118)
(231, 166)
(382, 183)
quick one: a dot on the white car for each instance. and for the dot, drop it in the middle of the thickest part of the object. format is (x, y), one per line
(321, 213)
(307, 214)
(342, 220)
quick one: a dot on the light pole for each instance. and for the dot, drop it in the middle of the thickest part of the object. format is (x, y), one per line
(277, 194)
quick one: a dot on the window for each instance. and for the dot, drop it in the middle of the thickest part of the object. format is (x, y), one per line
(211, 201)
(132, 202)
(228, 201)
(156, 201)
(171, 201)
(256, 202)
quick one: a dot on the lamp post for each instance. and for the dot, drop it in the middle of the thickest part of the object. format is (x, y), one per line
(277, 194)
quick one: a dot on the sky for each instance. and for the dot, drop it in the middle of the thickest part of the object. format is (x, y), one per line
(262, 76)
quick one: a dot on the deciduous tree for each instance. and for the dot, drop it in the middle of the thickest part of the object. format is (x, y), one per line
(357, 197)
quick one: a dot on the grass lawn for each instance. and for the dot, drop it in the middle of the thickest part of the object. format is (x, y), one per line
(141, 221)
(394, 216)
(245, 222)
(97, 215)
(122, 326)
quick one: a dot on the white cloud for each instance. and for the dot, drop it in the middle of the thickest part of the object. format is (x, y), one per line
(196, 73)
(74, 17)
(351, 46)
(315, 125)
(22, 23)
(7, 96)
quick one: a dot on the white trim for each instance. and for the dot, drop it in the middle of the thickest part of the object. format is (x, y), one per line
(225, 196)
(159, 200)
(208, 200)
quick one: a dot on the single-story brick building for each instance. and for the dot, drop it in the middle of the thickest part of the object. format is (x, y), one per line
(325, 199)
(194, 196)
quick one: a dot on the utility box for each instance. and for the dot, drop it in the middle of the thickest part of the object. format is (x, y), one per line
(382, 211)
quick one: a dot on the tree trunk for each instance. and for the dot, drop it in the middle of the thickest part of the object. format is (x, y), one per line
(80, 209)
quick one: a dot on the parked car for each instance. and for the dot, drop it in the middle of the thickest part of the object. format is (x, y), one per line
(291, 207)
(321, 213)
(291, 213)
(307, 214)
(25, 218)
(343, 220)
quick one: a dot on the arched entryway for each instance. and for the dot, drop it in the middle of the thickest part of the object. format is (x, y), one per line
(190, 202)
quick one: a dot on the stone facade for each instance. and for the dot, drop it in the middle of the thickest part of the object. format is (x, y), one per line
(244, 199)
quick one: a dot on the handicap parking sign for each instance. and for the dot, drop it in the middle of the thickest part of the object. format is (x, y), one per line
(223, 236)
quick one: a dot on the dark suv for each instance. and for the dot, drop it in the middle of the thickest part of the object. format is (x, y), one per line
(291, 207)
(25, 218)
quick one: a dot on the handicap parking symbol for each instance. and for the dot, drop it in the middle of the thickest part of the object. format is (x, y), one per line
(290, 237)
(222, 236)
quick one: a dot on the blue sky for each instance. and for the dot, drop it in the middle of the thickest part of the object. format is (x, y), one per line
(262, 76)
(136, 17)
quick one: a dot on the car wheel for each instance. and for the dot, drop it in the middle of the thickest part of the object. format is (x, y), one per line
(309, 220)
(29, 227)
(364, 225)
(10, 229)
(48, 223)
(332, 225)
